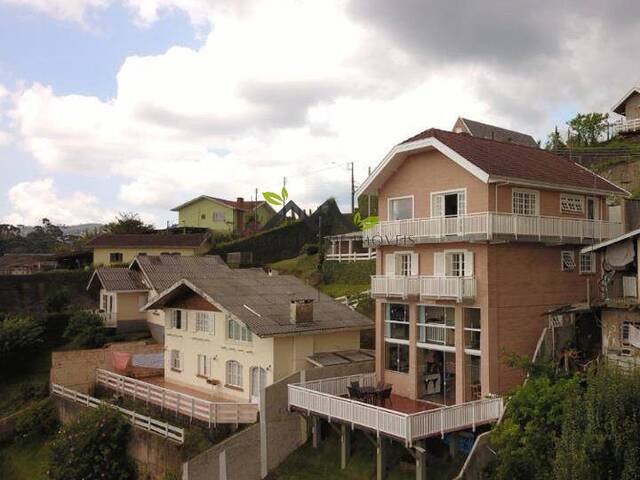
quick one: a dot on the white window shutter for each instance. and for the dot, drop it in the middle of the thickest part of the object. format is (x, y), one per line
(462, 203)
(437, 207)
(185, 320)
(415, 264)
(390, 264)
(438, 264)
(468, 264)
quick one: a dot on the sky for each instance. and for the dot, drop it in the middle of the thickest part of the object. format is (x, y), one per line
(111, 106)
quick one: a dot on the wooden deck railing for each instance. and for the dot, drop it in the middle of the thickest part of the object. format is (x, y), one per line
(487, 225)
(211, 412)
(144, 422)
(326, 398)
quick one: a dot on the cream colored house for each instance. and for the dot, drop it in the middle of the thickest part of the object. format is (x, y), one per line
(121, 249)
(629, 108)
(121, 292)
(241, 330)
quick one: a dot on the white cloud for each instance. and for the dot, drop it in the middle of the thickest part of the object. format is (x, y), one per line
(33, 201)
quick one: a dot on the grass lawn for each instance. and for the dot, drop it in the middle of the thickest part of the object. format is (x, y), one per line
(302, 266)
(341, 289)
(307, 463)
(24, 462)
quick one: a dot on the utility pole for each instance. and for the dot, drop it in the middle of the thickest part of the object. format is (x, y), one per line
(353, 190)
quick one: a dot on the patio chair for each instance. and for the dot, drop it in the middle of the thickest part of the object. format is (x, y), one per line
(385, 395)
(355, 384)
(354, 393)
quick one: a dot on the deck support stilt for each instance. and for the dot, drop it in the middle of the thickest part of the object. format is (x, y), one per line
(345, 445)
(453, 444)
(315, 431)
(420, 456)
(381, 459)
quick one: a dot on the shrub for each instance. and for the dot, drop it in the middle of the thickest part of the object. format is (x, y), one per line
(93, 446)
(19, 336)
(40, 420)
(31, 390)
(85, 330)
(58, 300)
(310, 248)
(349, 272)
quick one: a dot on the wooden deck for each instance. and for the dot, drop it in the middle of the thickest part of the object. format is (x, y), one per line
(194, 392)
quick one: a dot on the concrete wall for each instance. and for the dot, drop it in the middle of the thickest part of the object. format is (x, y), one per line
(259, 449)
(76, 369)
(154, 456)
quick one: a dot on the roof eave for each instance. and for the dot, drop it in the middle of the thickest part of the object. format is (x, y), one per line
(624, 99)
(558, 186)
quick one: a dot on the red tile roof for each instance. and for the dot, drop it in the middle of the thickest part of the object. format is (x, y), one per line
(514, 161)
(246, 205)
(142, 240)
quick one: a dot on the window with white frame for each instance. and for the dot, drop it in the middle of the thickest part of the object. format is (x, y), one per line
(115, 257)
(588, 262)
(436, 325)
(218, 216)
(176, 360)
(400, 208)
(454, 264)
(204, 322)
(238, 332)
(472, 330)
(571, 203)
(177, 319)
(567, 261)
(524, 202)
(403, 264)
(234, 373)
(396, 321)
(203, 365)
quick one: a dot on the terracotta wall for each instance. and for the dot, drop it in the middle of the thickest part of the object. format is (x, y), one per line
(428, 172)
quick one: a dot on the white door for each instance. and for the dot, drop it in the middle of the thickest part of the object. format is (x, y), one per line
(593, 213)
(258, 382)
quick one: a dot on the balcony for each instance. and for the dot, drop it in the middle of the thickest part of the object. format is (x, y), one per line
(446, 288)
(626, 126)
(489, 226)
(328, 398)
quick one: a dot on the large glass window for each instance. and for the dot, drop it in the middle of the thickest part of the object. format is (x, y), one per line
(437, 370)
(472, 379)
(401, 208)
(396, 321)
(472, 329)
(436, 325)
(397, 357)
(525, 202)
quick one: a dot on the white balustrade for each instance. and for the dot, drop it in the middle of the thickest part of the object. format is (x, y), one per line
(457, 288)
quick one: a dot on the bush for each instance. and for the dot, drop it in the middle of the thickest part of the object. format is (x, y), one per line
(58, 300)
(56, 324)
(19, 336)
(32, 390)
(85, 330)
(349, 272)
(94, 446)
(310, 248)
(40, 420)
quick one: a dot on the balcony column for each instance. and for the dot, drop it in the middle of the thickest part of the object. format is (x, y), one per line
(414, 368)
(379, 342)
(460, 357)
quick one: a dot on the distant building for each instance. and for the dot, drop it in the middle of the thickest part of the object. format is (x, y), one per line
(118, 249)
(491, 132)
(629, 108)
(223, 216)
(26, 263)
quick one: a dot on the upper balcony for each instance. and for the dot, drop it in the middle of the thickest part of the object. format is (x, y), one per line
(490, 226)
(424, 286)
(627, 126)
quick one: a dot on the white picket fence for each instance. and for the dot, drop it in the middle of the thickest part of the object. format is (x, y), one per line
(326, 397)
(487, 225)
(144, 422)
(211, 412)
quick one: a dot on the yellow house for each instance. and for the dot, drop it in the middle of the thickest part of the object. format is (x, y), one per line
(223, 216)
(240, 330)
(121, 249)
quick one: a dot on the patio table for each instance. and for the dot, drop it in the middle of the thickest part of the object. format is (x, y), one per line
(372, 394)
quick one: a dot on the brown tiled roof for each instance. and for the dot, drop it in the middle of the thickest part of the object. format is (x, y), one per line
(484, 130)
(118, 279)
(156, 240)
(518, 162)
(246, 205)
(262, 302)
(162, 271)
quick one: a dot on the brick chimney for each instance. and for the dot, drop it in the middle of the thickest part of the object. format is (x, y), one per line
(240, 202)
(301, 311)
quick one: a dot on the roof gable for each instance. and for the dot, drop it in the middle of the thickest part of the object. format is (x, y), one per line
(492, 132)
(117, 280)
(233, 204)
(619, 107)
(490, 160)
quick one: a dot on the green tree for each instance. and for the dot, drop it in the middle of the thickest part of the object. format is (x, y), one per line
(128, 222)
(587, 129)
(20, 335)
(58, 300)
(39, 420)
(85, 330)
(93, 447)
(554, 141)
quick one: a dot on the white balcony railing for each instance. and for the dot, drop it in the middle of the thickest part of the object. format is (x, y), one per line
(327, 398)
(632, 125)
(452, 288)
(489, 225)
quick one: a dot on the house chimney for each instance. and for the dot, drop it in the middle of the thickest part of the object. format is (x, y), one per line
(240, 202)
(301, 311)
